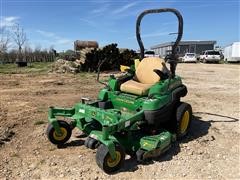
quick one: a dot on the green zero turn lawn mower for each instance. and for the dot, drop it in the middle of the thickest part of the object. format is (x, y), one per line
(139, 113)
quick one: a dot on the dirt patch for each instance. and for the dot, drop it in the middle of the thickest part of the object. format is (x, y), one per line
(210, 151)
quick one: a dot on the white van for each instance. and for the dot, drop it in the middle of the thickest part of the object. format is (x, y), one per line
(232, 52)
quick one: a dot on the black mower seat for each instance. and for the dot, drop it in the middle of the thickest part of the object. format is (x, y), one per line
(145, 77)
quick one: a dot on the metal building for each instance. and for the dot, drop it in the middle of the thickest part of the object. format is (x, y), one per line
(184, 47)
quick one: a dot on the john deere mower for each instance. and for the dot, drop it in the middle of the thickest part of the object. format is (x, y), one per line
(139, 113)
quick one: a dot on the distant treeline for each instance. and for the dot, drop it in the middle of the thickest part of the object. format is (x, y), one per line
(28, 55)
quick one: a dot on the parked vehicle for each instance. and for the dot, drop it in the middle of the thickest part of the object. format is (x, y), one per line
(232, 52)
(150, 54)
(189, 57)
(210, 56)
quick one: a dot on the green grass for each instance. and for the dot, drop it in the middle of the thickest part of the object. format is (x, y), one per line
(36, 67)
(87, 74)
(16, 155)
(40, 122)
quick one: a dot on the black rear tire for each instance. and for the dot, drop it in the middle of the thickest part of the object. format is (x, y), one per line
(104, 160)
(60, 139)
(183, 118)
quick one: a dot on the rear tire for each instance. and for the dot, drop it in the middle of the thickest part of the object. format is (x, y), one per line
(104, 160)
(183, 118)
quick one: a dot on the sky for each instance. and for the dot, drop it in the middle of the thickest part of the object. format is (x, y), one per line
(59, 23)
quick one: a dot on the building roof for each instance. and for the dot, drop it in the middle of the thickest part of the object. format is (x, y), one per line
(183, 43)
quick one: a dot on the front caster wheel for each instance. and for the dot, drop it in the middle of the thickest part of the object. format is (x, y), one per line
(105, 161)
(91, 143)
(59, 138)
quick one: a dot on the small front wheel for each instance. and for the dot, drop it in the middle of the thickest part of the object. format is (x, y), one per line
(105, 161)
(59, 138)
(91, 143)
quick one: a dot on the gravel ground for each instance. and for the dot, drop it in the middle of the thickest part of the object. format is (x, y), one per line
(211, 150)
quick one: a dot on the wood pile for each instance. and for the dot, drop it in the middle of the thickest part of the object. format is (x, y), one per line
(88, 60)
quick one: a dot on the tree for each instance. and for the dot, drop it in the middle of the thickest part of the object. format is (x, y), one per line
(19, 37)
(4, 44)
(27, 51)
(4, 40)
(53, 51)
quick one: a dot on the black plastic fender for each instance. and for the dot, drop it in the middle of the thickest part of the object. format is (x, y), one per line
(164, 114)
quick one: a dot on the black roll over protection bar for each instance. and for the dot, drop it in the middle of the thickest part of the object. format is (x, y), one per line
(172, 58)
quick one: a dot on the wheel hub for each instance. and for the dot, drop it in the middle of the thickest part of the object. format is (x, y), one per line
(60, 136)
(184, 122)
(114, 162)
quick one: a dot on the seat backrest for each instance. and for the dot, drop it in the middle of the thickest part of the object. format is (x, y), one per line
(144, 72)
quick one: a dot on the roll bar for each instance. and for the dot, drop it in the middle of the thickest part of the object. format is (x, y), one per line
(172, 59)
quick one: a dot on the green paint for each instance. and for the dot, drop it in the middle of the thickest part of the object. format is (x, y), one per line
(161, 141)
(120, 124)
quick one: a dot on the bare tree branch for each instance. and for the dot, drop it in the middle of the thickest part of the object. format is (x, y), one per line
(19, 37)
(4, 40)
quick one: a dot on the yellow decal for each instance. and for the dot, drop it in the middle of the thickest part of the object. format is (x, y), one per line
(146, 144)
(125, 101)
